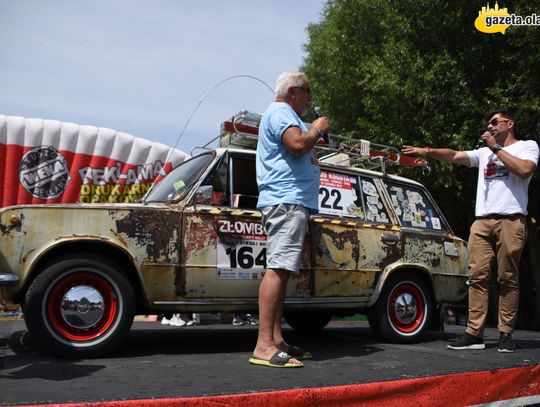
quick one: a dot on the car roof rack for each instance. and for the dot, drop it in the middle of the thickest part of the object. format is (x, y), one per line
(242, 130)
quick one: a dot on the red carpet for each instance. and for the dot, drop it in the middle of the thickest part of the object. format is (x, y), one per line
(521, 385)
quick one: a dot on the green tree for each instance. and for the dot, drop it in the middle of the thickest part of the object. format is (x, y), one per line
(418, 72)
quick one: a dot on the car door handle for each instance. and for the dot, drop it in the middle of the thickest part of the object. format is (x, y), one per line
(390, 238)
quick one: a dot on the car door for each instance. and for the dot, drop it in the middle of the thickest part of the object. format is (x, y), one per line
(224, 245)
(352, 238)
(427, 239)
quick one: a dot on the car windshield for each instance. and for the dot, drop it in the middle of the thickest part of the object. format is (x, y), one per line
(179, 181)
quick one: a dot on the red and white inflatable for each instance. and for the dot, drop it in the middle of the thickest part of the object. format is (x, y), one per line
(47, 161)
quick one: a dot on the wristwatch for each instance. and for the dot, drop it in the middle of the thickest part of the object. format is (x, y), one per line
(323, 135)
(496, 149)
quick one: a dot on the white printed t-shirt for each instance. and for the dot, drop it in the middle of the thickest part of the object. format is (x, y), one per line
(499, 191)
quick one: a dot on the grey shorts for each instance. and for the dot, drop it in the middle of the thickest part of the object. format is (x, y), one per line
(285, 226)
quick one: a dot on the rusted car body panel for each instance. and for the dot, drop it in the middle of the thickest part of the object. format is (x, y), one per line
(149, 237)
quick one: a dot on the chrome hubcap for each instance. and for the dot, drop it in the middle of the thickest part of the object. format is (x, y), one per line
(405, 307)
(82, 307)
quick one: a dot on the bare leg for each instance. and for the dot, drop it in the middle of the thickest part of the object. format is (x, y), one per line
(271, 295)
(278, 331)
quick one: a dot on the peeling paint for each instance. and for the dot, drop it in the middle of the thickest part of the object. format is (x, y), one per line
(6, 229)
(425, 250)
(336, 244)
(154, 230)
(200, 233)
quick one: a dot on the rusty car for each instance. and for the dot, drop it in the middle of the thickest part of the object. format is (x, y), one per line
(379, 246)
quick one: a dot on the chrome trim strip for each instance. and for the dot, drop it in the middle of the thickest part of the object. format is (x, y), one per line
(7, 280)
(291, 301)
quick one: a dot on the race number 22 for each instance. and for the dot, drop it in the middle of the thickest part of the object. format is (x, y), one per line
(331, 198)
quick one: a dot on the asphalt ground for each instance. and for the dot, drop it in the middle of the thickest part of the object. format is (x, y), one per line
(159, 361)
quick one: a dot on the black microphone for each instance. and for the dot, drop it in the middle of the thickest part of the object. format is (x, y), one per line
(479, 144)
(317, 112)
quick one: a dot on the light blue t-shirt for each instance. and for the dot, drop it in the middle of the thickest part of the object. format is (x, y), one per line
(281, 176)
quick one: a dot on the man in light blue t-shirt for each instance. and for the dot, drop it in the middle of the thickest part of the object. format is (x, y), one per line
(288, 179)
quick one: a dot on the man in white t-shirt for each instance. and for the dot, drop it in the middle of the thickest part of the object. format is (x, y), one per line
(505, 167)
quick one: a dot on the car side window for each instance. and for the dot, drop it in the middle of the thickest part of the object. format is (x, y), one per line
(245, 191)
(218, 180)
(351, 196)
(374, 207)
(413, 207)
(234, 183)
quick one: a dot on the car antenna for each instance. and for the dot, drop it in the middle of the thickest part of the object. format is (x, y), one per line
(159, 176)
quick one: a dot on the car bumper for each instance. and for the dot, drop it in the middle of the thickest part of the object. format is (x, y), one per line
(8, 280)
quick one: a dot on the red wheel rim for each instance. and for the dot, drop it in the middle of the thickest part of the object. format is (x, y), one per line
(56, 296)
(407, 308)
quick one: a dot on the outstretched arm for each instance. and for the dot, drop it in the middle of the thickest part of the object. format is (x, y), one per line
(446, 155)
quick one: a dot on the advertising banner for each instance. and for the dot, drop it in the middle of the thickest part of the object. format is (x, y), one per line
(47, 161)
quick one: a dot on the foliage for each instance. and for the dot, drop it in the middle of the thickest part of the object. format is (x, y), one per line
(418, 72)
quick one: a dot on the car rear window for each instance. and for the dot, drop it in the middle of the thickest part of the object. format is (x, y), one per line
(351, 196)
(413, 207)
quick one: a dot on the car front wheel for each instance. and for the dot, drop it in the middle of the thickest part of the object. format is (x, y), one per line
(403, 310)
(79, 306)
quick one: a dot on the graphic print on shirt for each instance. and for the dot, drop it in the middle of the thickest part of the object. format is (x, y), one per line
(314, 160)
(495, 169)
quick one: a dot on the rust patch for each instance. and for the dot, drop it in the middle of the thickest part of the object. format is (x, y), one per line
(422, 248)
(199, 236)
(200, 231)
(24, 258)
(303, 283)
(392, 252)
(376, 277)
(5, 229)
(155, 230)
(341, 239)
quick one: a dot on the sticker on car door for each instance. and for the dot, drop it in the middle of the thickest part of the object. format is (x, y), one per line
(241, 250)
(339, 195)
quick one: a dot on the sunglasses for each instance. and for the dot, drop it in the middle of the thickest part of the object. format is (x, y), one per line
(307, 90)
(496, 121)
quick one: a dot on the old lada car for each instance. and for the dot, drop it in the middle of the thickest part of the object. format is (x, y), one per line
(378, 246)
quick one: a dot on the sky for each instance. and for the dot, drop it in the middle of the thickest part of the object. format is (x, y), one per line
(145, 67)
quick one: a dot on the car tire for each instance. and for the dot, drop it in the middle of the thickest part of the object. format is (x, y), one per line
(403, 311)
(308, 321)
(80, 306)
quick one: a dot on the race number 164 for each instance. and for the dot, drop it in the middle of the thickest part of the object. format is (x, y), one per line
(246, 257)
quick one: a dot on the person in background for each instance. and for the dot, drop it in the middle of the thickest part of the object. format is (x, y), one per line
(240, 319)
(505, 167)
(183, 319)
(288, 178)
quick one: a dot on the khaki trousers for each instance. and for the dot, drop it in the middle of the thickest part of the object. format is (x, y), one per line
(500, 239)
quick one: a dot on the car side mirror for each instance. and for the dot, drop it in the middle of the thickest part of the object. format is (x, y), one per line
(203, 193)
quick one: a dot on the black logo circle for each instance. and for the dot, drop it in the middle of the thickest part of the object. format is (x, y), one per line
(44, 172)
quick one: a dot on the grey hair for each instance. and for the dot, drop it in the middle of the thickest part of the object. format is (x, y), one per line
(288, 80)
